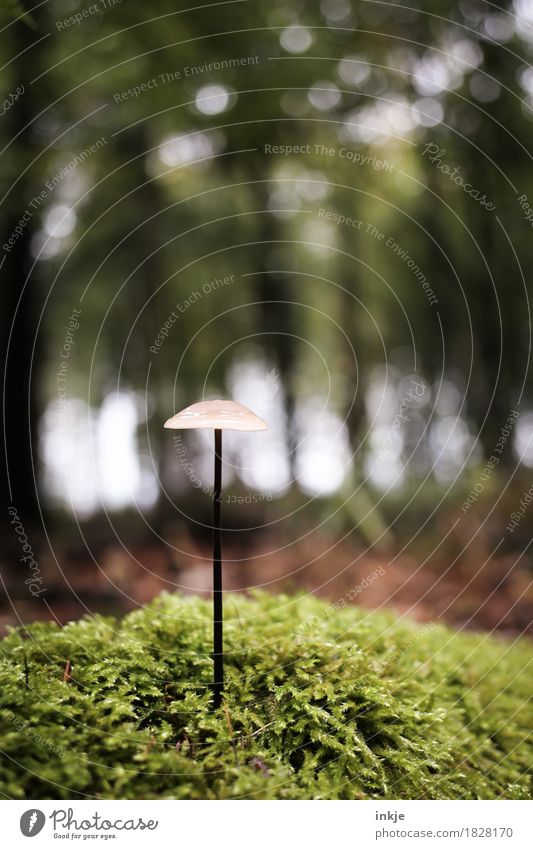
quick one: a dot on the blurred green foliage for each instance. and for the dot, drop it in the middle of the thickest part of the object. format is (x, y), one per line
(175, 197)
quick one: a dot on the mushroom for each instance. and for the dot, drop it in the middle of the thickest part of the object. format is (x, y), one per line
(219, 415)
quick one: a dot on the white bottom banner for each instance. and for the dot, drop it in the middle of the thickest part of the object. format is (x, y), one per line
(263, 825)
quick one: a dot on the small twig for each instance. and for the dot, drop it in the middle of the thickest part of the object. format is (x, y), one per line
(190, 745)
(66, 673)
(259, 730)
(230, 729)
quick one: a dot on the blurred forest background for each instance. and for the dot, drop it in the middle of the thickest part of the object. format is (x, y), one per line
(319, 209)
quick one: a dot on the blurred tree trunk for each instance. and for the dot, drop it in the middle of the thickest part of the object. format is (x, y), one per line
(501, 358)
(145, 261)
(20, 307)
(276, 313)
(348, 319)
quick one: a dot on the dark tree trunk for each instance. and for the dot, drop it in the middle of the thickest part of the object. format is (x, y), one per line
(277, 318)
(21, 296)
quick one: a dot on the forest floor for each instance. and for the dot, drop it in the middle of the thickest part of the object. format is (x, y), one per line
(477, 593)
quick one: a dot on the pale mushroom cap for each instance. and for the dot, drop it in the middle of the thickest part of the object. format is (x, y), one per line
(223, 415)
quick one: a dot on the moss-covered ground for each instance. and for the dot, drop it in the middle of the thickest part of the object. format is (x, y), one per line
(320, 703)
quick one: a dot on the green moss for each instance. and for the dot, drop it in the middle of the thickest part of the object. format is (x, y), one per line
(320, 703)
